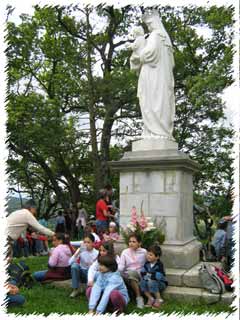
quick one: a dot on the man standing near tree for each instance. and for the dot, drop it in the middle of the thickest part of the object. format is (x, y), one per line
(19, 220)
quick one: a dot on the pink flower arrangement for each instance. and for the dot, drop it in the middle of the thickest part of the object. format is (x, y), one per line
(134, 218)
(142, 221)
(148, 231)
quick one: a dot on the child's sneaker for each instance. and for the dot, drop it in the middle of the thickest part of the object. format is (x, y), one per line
(75, 293)
(140, 302)
(149, 302)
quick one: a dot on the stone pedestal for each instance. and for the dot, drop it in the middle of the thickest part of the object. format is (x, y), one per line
(159, 176)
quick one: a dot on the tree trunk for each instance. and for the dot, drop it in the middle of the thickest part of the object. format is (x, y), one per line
(92, 118)
(105, 145)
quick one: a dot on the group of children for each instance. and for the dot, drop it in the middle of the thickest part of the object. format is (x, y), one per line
(30, 244)
(107, 278)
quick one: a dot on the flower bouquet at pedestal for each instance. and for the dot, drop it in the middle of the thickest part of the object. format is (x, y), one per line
(149, 231)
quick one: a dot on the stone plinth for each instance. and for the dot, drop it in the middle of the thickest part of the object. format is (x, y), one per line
(161, 180)
(154, 144)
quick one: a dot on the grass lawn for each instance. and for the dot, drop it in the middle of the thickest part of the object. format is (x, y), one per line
(46, 299)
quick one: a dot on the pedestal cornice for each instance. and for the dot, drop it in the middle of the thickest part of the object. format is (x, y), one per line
(155, 160)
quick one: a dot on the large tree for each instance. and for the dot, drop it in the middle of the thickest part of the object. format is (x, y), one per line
(71, 91)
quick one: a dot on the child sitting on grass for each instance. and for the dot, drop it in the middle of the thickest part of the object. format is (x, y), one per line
(153, 280)
(112, 233)
(79, 271)
(109, 291)
(58, 265)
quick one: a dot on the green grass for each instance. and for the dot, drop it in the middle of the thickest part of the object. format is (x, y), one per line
(46, 299)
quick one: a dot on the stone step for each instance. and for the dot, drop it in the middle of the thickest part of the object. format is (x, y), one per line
(176, 277)
(185, 294)
(186, 278)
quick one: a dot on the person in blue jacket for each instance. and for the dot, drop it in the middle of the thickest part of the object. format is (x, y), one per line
(153, 280)
(219, 241)
(109, 292)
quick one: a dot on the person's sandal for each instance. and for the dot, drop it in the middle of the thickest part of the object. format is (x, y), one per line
(156, 304)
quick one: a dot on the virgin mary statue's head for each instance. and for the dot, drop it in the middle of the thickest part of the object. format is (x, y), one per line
(153, 22)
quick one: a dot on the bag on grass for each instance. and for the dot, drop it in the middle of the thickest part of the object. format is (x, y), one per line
(210, 279)
(20, 273)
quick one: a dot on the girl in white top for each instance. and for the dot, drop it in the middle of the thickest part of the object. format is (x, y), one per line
(105, 249)
(79, 269)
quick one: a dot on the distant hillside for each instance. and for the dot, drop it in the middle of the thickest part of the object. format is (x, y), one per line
(14, 203)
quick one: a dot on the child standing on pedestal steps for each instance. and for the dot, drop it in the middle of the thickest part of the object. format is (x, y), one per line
(79, 271)
(153, 280)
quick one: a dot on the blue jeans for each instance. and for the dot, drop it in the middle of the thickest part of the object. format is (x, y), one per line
(101, 225)
(39, 245)
(79, 275)
(152, 286)
(15, 300)
(26, 248)
(39, 275)
(17, 250)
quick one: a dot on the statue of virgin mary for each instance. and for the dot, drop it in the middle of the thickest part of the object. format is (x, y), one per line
(156, 82)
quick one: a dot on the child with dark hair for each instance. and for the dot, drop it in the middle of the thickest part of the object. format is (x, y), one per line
(58, 263)
(109, 291)
(106, 248)
(153, 280)
(79, 270)
(131, 262)
(90, 229)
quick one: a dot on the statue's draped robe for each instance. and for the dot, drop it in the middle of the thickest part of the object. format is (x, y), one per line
(156, 86)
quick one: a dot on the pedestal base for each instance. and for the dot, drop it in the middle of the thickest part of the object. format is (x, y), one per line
(157, 178)
(181, 256)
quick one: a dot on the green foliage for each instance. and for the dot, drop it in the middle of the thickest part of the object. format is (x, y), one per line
(71, 92)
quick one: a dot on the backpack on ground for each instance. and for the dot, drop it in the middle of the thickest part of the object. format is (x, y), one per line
(225, 279)
(210, 279)
(20, 273)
